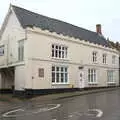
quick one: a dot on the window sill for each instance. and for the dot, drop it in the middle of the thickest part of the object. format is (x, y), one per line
(104, 63)
(111, 82)
(95, 62)
(94, 83)
(60, 83)
(16, 63)
(64, 59)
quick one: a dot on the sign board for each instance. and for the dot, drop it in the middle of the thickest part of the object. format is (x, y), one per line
(41, 72)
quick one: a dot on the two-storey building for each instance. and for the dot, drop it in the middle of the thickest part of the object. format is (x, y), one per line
(39, 53)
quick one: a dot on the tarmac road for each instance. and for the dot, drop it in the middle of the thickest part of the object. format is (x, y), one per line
(97, 106)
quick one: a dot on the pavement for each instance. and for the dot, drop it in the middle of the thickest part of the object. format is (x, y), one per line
(101, 104)
(70, 94)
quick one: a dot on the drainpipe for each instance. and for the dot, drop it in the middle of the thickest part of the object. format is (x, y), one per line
(7, 60)
(24, 59)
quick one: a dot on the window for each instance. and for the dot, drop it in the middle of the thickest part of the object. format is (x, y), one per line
(110, 75)
(113, 59)
(94, 57)
(104, 58)
(1, 50)
(92, 77)
(21, 50)
(59, 74)
(59, 51)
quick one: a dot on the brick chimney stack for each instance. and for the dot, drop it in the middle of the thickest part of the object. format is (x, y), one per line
(98, 29)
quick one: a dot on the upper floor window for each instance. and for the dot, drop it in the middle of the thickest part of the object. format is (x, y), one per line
(104, 58)
(59, 74)
(21, 50)
(2, 50)
(94, 55)
(59, 51)
(92, 76)
(113, 59)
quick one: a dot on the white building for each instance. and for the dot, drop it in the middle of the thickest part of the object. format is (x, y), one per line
(38, 53)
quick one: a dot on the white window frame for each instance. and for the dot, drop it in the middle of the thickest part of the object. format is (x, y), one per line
(104, 58)
(111, 76)
(92, 76)
(21, 50)
(113, 59)
(59, 73)
(59, 51)
(94, 57)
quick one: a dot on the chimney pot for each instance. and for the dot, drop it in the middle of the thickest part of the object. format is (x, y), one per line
(98, 29)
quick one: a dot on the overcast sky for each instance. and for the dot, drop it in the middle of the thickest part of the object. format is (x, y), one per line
(83, 13)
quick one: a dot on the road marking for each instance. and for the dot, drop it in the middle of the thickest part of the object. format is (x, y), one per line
(100, 113)
(70, 116)
(7, 114)
(48, 109)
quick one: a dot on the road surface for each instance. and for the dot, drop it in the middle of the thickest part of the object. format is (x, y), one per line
(97, 106)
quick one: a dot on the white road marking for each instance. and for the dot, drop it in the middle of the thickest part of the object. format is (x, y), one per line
(100, 113)
(48, 109)
(70, 116)
(7, 114)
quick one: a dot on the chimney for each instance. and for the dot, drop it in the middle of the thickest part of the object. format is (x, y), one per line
(98, 29)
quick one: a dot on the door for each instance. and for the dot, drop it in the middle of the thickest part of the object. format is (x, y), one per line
(81, 79)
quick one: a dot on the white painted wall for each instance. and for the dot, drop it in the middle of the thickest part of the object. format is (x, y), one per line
(39, 55)
(20, 77)
(12, 34)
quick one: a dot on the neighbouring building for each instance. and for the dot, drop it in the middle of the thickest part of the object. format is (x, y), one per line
(42, 54)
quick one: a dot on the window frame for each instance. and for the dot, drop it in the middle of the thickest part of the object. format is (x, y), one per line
(59, 73)
(111, 77)
(94, 56)
(92, 76)
(21, 50)
(104, 58)
(59, 51)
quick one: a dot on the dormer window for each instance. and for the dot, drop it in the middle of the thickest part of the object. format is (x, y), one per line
(94, 57)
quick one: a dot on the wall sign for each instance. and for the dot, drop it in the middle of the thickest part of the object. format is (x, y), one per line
(41, 72)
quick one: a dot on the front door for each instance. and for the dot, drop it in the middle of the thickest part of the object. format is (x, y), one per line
(81, 79)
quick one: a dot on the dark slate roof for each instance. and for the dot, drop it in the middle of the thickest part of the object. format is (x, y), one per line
(28, 18)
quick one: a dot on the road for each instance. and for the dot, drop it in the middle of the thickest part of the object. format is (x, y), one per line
(97, 106)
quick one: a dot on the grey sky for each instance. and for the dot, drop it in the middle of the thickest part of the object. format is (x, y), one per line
(83, 13)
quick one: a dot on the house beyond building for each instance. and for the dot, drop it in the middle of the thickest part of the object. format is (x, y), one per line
(42, 54)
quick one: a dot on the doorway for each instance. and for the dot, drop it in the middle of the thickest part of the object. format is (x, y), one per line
(81, 79)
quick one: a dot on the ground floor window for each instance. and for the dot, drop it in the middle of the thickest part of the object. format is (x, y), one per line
(59, 74)
(92, 76)
(110, 75)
